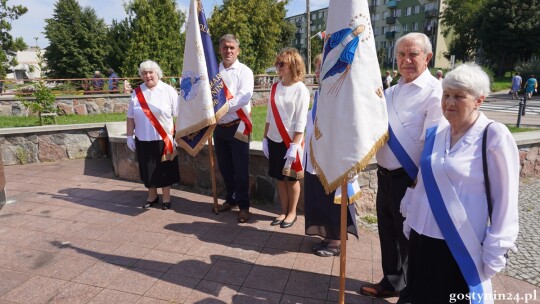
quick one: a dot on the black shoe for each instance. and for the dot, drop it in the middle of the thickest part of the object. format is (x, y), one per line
(319, 246)
(276, 222)
(150, 204)
(287, 225)
(165, 206)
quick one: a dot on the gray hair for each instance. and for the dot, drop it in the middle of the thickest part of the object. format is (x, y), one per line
(420, 40)
(468, 77)
(150, 65)
(229, 38)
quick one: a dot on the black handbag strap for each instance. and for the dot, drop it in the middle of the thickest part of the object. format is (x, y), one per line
(486, 176)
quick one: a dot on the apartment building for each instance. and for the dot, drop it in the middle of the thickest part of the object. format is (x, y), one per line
(390, 19)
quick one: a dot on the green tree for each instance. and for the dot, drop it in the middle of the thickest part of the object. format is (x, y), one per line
(461, 18)
(78, 41)
(118, 38)
(155, 35)
(258, 24)
(510, 32)
(8, 45)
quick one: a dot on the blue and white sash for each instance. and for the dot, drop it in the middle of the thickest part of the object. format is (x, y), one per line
(452, 219)
(400, 142)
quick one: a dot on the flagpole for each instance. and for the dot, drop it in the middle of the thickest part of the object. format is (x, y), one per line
(343, 238)
(213, 173)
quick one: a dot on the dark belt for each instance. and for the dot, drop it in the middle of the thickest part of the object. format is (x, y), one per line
(230, 124)
(386, 172)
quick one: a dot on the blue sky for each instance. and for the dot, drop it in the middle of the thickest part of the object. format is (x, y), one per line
(32, 23)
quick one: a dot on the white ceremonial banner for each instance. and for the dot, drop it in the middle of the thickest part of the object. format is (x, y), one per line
(202, 99)
(351, 123)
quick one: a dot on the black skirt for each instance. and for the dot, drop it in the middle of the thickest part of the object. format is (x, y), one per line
(322, 216)
(276, 160)
(155, 173)
(434, 275)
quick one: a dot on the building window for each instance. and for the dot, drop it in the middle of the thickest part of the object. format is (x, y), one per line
(408, 11)
(377, 17)
(405, 27)
(417, 9)
(429, 6)
(376, 31)
(385, 15)
(415, 26)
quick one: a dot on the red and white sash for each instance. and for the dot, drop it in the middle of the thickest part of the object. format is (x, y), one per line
(297, 169)
(245, 127)
(169, 151)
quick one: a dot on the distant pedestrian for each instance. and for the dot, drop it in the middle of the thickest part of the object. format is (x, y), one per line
(127, 87)
(113, 81)
(387, 80)
(97, 81)
(516, 85)
(439, 75)
(531, 85)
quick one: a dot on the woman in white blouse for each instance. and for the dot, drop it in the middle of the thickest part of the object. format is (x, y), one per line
(453, 251)
(150, 118)
(283, 134)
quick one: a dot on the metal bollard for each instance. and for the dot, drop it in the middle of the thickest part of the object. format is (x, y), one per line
(524, 99)
(521, 109)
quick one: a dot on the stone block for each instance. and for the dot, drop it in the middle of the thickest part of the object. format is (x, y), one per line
(65, 108)
(5, 110)
(77, 145)
(266, 189)
(92, 108)
(49, 151)
(80, 109)
(128, 169)
(120, 108)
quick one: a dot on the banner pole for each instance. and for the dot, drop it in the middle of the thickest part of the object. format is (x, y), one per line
(343, 238)
(213, 173)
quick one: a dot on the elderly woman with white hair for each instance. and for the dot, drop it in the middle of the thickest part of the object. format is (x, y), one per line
(150, 133)
(469, 176)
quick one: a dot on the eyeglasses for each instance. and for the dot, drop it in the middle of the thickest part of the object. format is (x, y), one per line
(280, 64)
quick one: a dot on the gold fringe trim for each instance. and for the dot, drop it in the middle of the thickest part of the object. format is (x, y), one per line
(169, 156)
(293, 174)
(224, 109)
(356, 169)
(241, 136)
(352, 199)
(196, 127)
(194, 151)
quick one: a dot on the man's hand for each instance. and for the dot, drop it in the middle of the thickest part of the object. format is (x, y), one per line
(131, 143)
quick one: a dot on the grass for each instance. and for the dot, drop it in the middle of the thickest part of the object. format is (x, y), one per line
(33, 121)
(258, 115)
(501, 84)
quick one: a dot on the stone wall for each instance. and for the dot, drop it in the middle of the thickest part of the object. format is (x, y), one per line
(79, 105)
(56, 143)
(53, 143)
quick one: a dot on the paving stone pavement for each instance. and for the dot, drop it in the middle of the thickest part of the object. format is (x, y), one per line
(73, 233)
(525, 264)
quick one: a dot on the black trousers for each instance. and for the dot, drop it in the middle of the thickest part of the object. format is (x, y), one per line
(233, 161)
(394, 245)
(434, 276)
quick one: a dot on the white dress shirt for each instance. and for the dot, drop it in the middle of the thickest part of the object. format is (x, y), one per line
(292, 103)
(418, 106)
(162, 101)
(242, 80)
(463, 167)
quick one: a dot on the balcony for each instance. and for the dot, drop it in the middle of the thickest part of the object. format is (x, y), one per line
(430, 30)
(390, 20)
(391, 4)
(432, 13)
(390, 35)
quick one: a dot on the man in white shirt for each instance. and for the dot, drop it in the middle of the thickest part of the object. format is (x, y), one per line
(232, 153)
(414, 105)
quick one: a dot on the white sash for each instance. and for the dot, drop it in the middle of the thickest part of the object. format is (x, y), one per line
(452, 219)
(400, 142)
